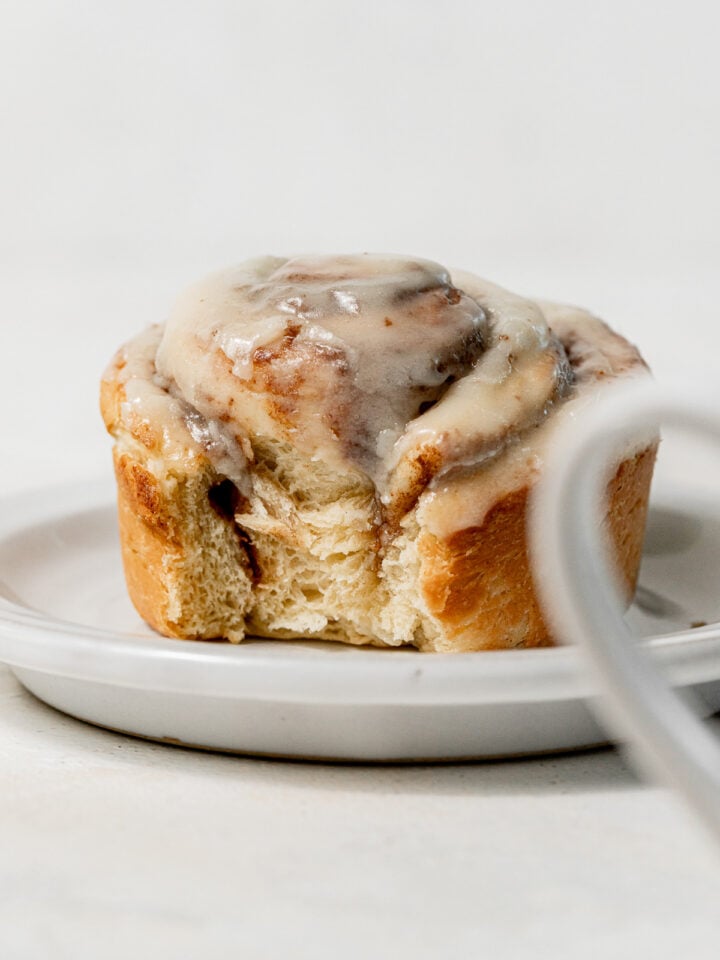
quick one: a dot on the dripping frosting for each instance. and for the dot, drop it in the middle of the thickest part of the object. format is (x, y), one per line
(382, 367)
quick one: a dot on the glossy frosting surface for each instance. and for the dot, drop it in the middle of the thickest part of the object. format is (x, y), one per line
(380, 366)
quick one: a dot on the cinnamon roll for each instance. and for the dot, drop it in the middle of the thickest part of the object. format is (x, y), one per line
(342, 448)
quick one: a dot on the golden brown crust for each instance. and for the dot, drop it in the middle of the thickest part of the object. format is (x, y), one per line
(148, 542)
(147, 538)
(174, 535)
(478, 583)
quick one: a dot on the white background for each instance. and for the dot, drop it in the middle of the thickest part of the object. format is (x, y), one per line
(565, 149)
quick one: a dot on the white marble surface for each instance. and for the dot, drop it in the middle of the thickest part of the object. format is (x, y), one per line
(559, 151)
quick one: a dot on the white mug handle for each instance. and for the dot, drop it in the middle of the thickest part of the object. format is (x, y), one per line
(577, 587)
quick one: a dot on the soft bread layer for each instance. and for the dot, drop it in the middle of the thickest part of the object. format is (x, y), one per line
(191, 576)
(186, 570)
(282, 567)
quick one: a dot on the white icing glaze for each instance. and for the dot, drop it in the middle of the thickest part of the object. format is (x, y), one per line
(376, 365)
(598, 356)
(185, 435)
(333, 355)
(512, 386)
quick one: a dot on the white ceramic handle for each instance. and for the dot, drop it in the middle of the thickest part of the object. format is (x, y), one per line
(579, 596)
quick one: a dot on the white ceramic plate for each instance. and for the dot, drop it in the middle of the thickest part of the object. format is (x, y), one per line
(70, 635)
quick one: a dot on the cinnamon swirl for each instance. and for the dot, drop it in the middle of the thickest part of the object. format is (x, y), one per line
(342, 448)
